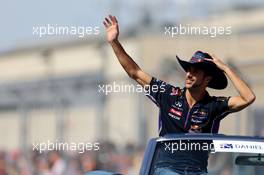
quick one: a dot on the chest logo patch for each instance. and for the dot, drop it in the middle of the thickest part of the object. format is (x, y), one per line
(175, 111)
(178, 104)
(175, 91)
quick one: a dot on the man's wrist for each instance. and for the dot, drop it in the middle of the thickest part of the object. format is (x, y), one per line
(115, 41)
(226, 68)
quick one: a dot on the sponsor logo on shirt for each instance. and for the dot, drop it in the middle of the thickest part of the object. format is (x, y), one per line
(178, 104)
(200, 116)
(173, 116)
(196, 120)
(195, 129)
(175, 91)
(175, 111)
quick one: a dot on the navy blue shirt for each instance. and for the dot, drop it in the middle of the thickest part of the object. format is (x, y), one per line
(175, 116)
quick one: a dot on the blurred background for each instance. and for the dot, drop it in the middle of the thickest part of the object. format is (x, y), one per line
(49, 85)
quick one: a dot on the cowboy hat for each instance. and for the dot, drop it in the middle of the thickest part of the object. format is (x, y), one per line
(219, 80)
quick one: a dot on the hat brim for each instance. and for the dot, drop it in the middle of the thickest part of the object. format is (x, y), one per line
(219, 80)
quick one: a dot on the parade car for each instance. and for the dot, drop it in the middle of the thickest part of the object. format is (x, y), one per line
(229, 155)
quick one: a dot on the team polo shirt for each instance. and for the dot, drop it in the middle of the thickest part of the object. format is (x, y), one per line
(175, 115)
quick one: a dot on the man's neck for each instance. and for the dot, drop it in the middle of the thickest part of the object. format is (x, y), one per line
(194, 95)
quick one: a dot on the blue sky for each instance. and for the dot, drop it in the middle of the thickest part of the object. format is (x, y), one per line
(18, 17)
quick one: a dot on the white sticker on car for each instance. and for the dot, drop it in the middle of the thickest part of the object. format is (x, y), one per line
(238, 146)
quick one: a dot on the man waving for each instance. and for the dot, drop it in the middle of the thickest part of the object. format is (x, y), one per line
(187, 109)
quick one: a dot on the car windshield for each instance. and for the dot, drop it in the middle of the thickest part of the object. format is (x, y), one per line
(224, 164)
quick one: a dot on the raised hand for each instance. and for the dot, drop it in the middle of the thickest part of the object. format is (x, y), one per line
(112, 29)
(219, 63)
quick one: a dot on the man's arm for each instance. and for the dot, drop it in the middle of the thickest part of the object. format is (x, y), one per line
(246, 95)
(132, 69)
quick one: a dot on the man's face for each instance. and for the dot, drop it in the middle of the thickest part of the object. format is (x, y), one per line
(196, 78)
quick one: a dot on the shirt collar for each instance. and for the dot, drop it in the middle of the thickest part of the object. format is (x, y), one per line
(205, 99)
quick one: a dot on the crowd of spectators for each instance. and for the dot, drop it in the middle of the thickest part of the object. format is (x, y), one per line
(125, 160)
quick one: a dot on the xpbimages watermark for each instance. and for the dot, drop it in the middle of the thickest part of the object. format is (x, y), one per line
(129, 88)
(173, 147)
(79, 147)
(62, 30)
(211, 31)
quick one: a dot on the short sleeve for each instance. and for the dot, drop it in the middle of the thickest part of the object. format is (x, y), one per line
(220, 106)
(158, 91)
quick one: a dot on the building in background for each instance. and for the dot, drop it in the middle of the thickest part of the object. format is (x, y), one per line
(52, 91)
